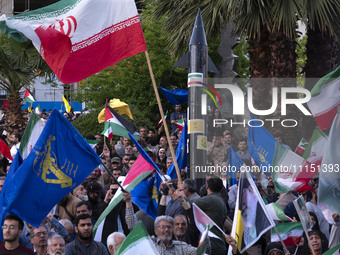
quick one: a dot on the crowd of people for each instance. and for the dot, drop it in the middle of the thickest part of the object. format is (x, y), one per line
(68, 228)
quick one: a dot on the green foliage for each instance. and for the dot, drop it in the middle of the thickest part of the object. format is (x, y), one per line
(301, 60)
(129, 80)
(88, 124)
(241, 51)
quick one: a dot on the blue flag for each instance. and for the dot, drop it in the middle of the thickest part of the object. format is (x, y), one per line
(261, 144)
(175, 96)
(234, 164)
(181, 153)
(60, 161)
(17, 161)
(145, 194)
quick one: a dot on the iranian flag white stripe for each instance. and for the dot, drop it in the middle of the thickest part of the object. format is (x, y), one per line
(195, 79)
(316, 147)
(276, 212)
(301, 148)
(32, 132)
(137, 242)
(78, 38)
(325, 99)
(290, 171)
(290, 233)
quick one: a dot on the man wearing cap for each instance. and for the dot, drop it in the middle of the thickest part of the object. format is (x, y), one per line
(95, 193)
(115, 162)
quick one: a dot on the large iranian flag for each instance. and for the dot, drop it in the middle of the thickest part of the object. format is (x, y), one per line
(78, 38)
(325, 99)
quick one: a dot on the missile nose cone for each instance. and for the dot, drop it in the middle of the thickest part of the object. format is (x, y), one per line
(198, 33)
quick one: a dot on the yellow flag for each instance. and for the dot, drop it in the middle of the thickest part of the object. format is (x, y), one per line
(119, 106)
(67, 105)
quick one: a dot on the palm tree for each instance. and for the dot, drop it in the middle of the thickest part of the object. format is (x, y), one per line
(270, 27)
(322, 49)
(20, 64)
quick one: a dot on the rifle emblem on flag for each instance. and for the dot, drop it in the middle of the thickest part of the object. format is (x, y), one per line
(48, 164)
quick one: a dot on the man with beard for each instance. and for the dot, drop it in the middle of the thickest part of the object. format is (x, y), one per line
(39, 239)
(83, 244)
(95, 192)
(56, 245)
(11, 230)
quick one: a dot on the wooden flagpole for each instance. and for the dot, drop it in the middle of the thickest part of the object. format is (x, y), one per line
(163, 118)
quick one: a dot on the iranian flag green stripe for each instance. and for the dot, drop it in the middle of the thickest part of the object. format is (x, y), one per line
(195, 79)
(290, 232)
(333, 251)
(316, 147)
(137, 242)
(325, 99)
(32, 132)
(74, 48)
(290, 171)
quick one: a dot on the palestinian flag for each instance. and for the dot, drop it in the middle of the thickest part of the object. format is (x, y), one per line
(300, 149)
(316, 147)
(28, 97)
(203, 221)
(276, 212)
(325, 99)
(71, 45)
(333, 251)
(202, 245)
(161, 121)
(290, 232)
(32, 132)
(137, 242)
(139, 171)
(115, 124)
(180, 124)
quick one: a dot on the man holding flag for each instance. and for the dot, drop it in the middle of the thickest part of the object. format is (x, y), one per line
(214, 206)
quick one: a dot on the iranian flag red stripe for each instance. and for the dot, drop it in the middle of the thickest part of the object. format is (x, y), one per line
(80, 38)
(290, 232)
(325, 99)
